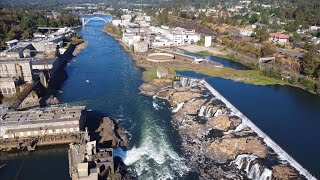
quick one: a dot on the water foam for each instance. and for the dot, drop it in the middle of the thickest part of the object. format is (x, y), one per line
(180, 105)
(154, 158)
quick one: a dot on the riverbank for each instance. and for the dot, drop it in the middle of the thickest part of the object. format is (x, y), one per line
(80, 47)
(213, 147)
(269, 75)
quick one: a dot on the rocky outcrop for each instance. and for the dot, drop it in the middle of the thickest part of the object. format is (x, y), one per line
(153, 87)
(224, 122)
(193, 107)
(111, 134)
(183, 96)
(228, 147)
(284, 172)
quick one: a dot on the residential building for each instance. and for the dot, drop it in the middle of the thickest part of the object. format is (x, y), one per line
(279, 38)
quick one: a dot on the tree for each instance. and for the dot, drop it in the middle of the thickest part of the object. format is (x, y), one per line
(311, 63)
(267, 50)
(262, 34)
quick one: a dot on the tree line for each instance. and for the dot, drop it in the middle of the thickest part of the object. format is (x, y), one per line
(20, 23)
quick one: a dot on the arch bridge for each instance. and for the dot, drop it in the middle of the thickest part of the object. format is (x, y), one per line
(84, 21)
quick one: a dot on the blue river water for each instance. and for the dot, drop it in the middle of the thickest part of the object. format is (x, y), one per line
(104, 78)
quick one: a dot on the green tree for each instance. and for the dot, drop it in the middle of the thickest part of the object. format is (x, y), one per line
(267, 50)
(262, 34)
(311, 63)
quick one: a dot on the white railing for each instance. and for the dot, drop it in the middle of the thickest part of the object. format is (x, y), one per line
(277, 149)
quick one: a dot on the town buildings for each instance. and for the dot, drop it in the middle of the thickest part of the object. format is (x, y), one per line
(21, 59)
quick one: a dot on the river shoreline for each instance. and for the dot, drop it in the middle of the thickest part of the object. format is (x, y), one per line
(209, 147)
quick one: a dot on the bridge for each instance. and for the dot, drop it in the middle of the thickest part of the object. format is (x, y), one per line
(84, 21)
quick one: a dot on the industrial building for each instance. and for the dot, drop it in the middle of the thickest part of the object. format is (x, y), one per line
(20, 68)
(88, 162)
(37, 122)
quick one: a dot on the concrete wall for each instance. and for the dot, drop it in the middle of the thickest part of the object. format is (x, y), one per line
(16, 68)
(7, 86)
(140, 47)
(207, 41)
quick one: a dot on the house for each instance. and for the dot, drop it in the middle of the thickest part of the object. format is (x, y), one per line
(314, 28)
(315, 40)
(279, 38)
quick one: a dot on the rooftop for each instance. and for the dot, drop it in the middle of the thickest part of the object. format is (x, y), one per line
(12, 41)
(279, 35)
(42, 115)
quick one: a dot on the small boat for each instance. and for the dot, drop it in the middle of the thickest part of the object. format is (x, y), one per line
(87, 81)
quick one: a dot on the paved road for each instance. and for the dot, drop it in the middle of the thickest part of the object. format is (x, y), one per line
(293, 54)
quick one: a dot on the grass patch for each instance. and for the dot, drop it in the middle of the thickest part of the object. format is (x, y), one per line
(150, 74)
(77, 40)
(67, 45)
(245, 76)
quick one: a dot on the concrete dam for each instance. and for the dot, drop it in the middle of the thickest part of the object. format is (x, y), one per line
(246, 122)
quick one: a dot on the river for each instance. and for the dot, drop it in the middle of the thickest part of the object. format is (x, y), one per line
(104, 78)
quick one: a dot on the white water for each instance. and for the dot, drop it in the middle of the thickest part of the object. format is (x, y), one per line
(155, 105)
(180, 105)
(218, 113)
(253, 172)
(209, 113)
(247, 123)
(266, 174)
(202, 109)
(242, 158)
(154, 158)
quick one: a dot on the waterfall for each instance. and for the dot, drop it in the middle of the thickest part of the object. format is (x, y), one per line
(244, 158)
(202, 109)
(266, 174)
(248, 164)
(218, 113)
(180, 105)
(209, 113)
(254, 172)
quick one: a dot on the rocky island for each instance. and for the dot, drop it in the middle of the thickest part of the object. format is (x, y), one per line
(215, 141)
